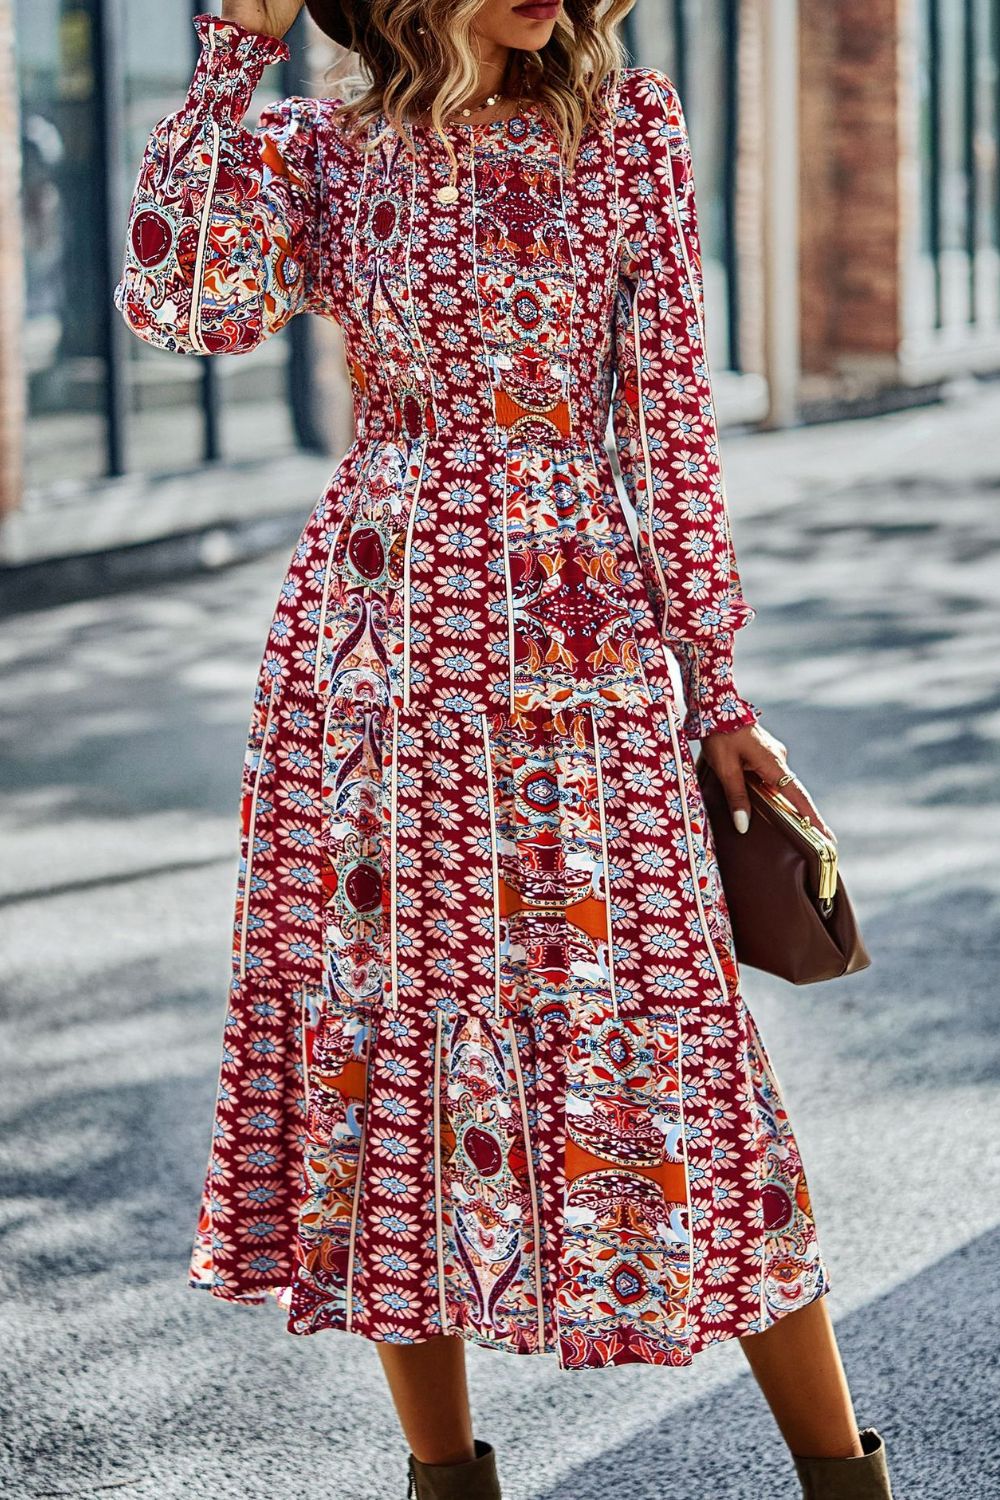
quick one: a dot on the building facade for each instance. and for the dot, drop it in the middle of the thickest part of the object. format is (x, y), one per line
(848, 184)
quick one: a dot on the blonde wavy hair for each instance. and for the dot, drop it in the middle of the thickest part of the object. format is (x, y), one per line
(403, 68)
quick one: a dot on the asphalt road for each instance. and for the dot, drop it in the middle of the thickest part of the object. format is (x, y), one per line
(872, 555)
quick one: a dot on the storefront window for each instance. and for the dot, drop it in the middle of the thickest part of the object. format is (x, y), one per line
(170, 395)
(59, 125)
(958, 266)
(175, 411)
(692, 41)
(95, 76)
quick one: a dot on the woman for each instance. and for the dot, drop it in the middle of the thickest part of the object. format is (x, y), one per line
(488, 1073)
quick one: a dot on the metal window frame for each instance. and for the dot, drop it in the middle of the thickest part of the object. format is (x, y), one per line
(980, 33)
(300, 364)
(211, 394)
(678, 21)
(301, 367)
(109, 109)
(731, 10)
(935, 155)
(969, 122)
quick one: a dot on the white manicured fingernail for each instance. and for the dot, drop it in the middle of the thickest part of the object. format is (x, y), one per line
(742, 819)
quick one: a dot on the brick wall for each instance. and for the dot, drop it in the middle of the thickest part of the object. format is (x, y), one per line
(852, 214)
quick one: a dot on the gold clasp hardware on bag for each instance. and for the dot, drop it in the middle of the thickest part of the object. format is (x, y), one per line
(825, 848)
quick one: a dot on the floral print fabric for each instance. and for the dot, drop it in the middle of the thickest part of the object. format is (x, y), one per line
(487, 1067)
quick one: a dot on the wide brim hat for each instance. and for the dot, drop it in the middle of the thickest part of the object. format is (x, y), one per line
(331, 16)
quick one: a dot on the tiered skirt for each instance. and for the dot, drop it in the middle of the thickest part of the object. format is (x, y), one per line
(487, 1067)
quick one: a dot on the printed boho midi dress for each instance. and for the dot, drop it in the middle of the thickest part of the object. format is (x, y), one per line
(486, 1068)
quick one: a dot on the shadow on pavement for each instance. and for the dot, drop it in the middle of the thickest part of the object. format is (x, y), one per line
(924, 1369)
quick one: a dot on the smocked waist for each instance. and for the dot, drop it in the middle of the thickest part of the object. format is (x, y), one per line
(585, 440)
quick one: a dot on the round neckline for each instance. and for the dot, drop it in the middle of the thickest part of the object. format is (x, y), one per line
(475, 126)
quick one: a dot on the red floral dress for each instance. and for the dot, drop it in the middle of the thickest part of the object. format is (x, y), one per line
(486, 1067)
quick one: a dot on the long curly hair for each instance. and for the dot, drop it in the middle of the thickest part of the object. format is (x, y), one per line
(404, 69)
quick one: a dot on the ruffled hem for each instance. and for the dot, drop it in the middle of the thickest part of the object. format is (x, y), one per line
(625, 1346)
(630, 1192)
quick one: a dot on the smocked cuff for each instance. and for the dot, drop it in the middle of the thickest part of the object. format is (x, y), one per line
(230, 66)
(712, 703)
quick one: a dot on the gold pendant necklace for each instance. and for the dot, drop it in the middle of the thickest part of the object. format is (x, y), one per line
(492, 99)
(449, 193)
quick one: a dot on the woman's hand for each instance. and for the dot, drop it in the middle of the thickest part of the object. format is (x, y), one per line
(273, 17)
(732, 754)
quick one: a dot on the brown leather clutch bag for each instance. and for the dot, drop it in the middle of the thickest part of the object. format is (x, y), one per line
(789, 908)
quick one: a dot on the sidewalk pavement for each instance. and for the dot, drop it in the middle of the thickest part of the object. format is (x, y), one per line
(138, 529)
(955, 440)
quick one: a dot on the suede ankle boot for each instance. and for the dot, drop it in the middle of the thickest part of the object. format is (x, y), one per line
(475, 1479)
(864, 1478)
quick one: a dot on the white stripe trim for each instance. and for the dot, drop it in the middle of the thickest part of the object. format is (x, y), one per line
(719, 973)
(631, 536)
(602, 819)
(320, 645)
(508, 590)
(409, 288)
(700, 315)
(407, 547)
(305, 1059)
(356, 304)
(251, 832)
(438, 1189)
(687, 1175)
(574, 292)
(347, 519)
(688, 266)
(487, 368)
(647, 461)
(198, 277)
(424, 440)
(766, 1064)
(324, 787)
(532, 1190)
(393, 835)
(352, 1235)
(494, 865)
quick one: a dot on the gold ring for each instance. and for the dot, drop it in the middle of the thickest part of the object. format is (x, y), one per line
(784, 780)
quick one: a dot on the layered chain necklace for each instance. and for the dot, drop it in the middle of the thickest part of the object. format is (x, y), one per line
(484, 104)
(449, 193)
